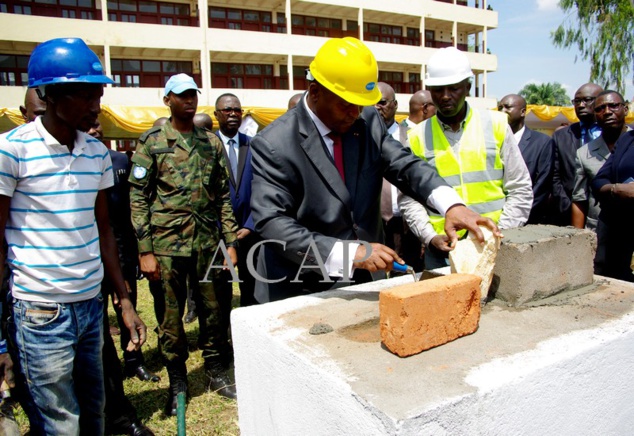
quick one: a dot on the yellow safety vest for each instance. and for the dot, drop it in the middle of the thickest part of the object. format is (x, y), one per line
(476, 172)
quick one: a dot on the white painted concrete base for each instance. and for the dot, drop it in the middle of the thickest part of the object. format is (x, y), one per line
(562, 368)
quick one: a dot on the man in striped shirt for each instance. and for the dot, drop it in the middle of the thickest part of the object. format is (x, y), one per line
(54, 217)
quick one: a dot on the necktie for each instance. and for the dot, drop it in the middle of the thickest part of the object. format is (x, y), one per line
(337, 153)
(233, 159)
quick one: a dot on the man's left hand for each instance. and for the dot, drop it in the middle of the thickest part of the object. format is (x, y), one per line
(233, 255)
(6, 370)
(132, 321)
(460, 217)
(243, 233)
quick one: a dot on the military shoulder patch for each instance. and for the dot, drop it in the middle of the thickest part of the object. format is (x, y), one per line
(139, 172)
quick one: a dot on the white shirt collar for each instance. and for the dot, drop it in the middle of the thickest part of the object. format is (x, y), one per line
(225, 139)
(321, 127)
(49, 140)
(393, 128)
(519, 133)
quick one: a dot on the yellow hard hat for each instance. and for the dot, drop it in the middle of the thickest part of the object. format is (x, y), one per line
(347, 67)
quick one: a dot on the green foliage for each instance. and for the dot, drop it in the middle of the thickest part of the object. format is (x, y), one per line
(551, 94)
(603, 32)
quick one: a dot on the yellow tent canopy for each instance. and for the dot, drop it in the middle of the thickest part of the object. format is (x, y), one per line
(128, 122)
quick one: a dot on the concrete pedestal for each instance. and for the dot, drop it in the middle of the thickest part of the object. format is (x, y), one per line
(563, 367)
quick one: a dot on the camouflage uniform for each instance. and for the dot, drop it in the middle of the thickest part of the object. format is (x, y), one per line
(179, 195)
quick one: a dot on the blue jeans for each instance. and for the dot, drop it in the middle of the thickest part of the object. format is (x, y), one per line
(59, 350)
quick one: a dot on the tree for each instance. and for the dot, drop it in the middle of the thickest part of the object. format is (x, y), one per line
(551, 94)
(603, 32)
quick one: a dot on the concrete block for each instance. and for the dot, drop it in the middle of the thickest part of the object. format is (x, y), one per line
(418, 316)
(559, 369)
(535, 262)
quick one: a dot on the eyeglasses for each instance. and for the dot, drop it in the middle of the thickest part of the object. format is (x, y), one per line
(384, 102)
(585, 100)
(603, 107)
(229, 110)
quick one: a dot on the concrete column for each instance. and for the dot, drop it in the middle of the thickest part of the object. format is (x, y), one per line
(104, 10)
(360, 20)
(205, 59)
(421, 26)
(287, 13)
(454, 33)
(106, 60)
(106, 45)
(289, 66)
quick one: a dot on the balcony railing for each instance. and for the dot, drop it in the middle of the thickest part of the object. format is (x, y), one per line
(459, 2)
(80, 9)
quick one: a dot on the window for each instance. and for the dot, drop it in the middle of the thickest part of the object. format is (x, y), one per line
(246, 76)
(243, 19)
(413, 37)
(299, 78)
(125, 145)
(414, 84)
(134, 73)
(396, 80)
(316, 26)
(13, 70)
(150, 12)
(80, 9)
(391, 34)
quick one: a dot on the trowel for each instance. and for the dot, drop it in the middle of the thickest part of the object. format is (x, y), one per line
(404, 269)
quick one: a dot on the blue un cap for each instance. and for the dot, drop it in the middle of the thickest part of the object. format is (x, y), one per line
(179, 84)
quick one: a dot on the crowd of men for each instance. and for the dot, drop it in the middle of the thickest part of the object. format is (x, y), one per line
(333, 192)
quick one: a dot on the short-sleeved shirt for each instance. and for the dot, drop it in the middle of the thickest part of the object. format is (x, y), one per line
(51, 231)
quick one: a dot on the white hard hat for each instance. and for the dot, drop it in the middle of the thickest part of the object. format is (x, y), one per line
(447, 66)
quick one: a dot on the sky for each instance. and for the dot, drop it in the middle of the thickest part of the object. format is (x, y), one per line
(526, 54)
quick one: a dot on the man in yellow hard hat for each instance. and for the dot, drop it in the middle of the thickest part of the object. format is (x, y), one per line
(317, 181)
(473, 150)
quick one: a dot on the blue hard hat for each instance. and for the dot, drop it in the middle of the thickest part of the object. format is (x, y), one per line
(65, 60)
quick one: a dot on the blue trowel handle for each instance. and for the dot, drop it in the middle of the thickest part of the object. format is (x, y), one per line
(400, 268)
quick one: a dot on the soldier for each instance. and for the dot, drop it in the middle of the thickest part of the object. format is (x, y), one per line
(179, 194)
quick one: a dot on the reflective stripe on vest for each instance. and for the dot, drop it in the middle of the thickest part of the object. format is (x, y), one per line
(476, 172)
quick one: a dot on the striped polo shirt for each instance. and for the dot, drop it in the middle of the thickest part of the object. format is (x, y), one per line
(51, 232)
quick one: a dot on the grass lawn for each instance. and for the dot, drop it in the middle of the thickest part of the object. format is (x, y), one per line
(207, 412)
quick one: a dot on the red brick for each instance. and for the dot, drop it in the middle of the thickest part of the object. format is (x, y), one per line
(419, 316)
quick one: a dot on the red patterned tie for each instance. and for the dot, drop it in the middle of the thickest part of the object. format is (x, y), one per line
(337, 152)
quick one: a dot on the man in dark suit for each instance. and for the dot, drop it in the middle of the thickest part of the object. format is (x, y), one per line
(537, 151)
(238, 155)
(566, 142)
(317, 178)
(397, 235)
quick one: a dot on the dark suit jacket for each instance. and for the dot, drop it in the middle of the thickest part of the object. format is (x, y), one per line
(240, 186)
(299, 197)
(537, 151)
(566, 142)
(617, 169)
(119, 213)
(616, 213)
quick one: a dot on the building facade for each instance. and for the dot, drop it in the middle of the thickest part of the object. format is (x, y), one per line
(258, 49)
